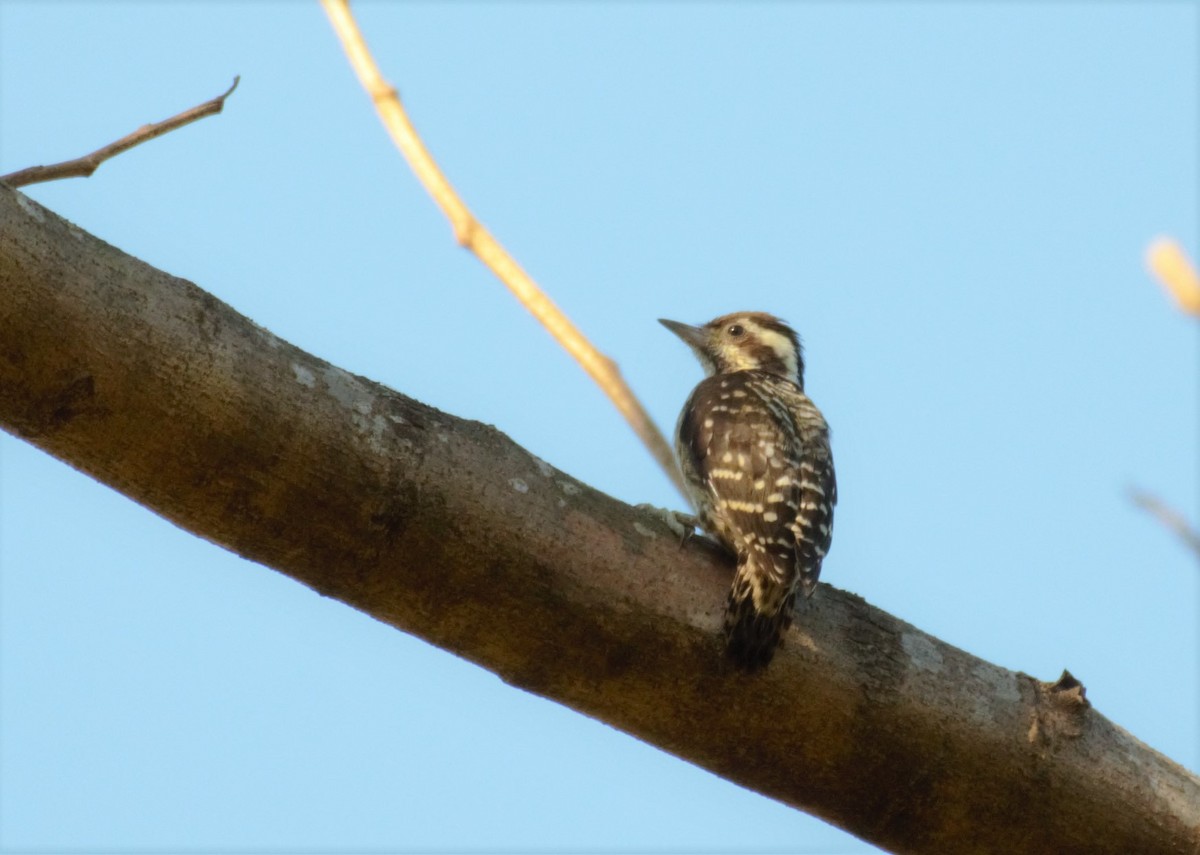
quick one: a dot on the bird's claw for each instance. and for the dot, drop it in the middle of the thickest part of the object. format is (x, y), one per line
(681, 525)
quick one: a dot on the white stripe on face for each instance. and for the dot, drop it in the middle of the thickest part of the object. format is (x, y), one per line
(782, 346)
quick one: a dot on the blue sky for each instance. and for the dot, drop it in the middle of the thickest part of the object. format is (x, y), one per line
(949, 201)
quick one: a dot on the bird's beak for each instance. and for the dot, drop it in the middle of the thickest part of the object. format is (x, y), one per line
(695, 337)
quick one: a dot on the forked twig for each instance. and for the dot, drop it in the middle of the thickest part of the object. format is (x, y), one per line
(1167, 260)
(82, 167)
(1168, 516)
(470, 233)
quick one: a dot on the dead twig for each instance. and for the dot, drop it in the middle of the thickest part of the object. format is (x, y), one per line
(1167, 260)
(471, 234)
(1168, 516)
(83, 167)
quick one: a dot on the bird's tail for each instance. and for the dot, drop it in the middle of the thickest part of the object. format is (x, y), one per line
(756, 616)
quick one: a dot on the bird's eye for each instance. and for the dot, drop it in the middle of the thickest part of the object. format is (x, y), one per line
(736, 330)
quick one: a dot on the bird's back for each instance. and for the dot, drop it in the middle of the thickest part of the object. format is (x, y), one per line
(755, 451)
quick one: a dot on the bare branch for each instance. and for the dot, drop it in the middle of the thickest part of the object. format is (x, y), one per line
(83, 167)
(446, 529)
(1167, 260)
(1168, 516)
(471, 234)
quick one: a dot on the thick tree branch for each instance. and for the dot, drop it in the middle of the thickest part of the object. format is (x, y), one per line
(83, 167)
(446, 529)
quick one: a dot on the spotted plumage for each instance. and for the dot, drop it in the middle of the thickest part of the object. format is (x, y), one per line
(754, 452)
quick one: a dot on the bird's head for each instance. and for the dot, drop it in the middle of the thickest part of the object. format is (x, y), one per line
(744, 341)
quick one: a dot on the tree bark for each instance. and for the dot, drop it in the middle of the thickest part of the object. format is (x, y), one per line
(444, 528)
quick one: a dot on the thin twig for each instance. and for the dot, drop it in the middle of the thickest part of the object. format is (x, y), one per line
(1167, 260)
(470, 233)
(83, 167)
(1168, 516)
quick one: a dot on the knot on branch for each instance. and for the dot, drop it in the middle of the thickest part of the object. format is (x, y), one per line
(1068, 693)
(1059, 711)
(383, 92)
(465, 228)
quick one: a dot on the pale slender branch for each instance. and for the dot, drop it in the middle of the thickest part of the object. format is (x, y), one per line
(1168, 516)
(471, 234)
(83, 167)
(1167, 260)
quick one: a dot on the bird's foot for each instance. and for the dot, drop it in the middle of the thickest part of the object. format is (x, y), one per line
(681, 525)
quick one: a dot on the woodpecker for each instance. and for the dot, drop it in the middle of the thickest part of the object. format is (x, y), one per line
(754, 453)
